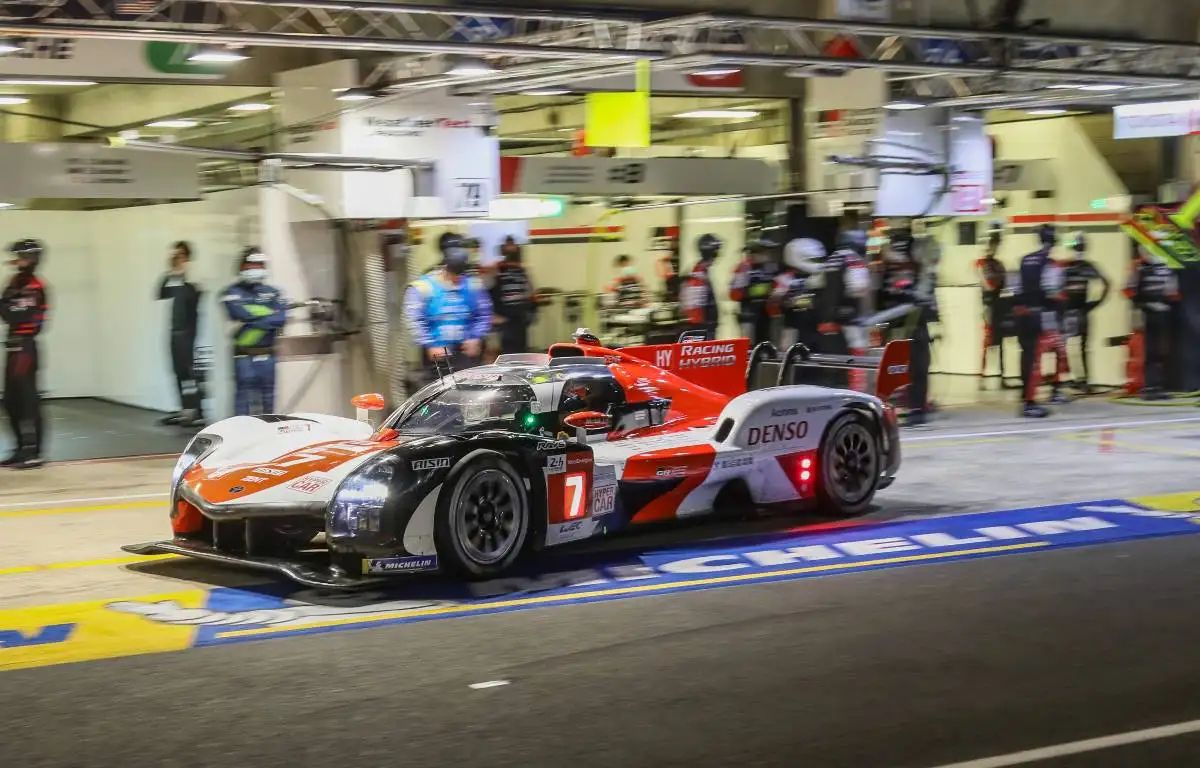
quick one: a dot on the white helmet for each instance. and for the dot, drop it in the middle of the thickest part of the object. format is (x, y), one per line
(804, 254)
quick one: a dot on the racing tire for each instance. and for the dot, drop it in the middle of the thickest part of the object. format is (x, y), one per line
(849, 462)
(483, 518)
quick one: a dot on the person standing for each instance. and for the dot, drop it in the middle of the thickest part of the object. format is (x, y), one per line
(626, 288)
(1153, 289)
(259, 313)
(1035, 284)
(1078, 275)
(750, 287)
(185, 322)
(992, 282)
(448, 311)
(512, 299)
(697, 298)
(23, 307)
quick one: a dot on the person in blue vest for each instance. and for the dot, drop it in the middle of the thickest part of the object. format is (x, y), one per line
(259, 312)
(449, 312)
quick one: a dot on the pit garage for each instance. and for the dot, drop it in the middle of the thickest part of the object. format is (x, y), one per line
(1019, 596)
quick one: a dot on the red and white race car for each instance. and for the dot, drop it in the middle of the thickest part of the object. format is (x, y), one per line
(534, 450)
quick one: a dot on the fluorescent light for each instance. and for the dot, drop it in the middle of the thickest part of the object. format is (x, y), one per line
(519, 208)
(23, 81)
(355, 94)
(251, 107)
(903, 106)
(1062, 87)
(216, 56)
(471, 67)
(1101, 87)
(8, 205)
(7, 47)
(173, 124)
(1045, 112)
(546, 92)
(717, 71)
(718, 114)
(10, 101)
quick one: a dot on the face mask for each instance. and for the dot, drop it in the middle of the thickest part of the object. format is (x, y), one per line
(254, 275)
(457, 260)
(629, 271)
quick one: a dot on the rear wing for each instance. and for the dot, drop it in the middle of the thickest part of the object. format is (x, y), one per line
(891, 367)
(718, 365)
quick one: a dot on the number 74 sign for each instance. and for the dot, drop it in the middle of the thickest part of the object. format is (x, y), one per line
(470, 196)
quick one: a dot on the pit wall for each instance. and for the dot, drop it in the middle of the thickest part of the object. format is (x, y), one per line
(1082, 175)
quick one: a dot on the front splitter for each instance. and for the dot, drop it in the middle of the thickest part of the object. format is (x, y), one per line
(308, 574)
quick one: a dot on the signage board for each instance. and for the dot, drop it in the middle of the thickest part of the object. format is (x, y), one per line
(448, 130)
(864, 10)
(94, 171)
(841, 115)
(691, 176)
(1155, 120)
(92, 58)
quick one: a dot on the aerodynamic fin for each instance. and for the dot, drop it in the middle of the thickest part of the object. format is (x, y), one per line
(891, 367)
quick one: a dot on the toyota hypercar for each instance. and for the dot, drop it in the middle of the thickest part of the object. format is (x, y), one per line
(534, 450)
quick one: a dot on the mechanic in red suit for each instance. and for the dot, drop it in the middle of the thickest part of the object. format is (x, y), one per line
(23, 308)
(993, 280)
(751, 286)
(698, 300)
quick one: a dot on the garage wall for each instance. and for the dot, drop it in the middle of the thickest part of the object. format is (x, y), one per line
(1082, 175)
(107, 335)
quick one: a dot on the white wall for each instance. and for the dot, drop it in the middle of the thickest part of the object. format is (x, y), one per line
(1082, 175)
(107, 335)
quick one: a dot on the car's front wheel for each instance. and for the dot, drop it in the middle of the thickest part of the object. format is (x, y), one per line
(483, 518)
(849, 465)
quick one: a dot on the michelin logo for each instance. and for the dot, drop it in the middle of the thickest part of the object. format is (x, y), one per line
(400, 564)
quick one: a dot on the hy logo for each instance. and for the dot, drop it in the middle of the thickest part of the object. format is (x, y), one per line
(662, 358)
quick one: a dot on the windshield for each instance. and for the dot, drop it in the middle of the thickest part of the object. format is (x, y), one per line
(467, 407)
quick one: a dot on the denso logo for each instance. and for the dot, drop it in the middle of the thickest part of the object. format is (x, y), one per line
(777, 433)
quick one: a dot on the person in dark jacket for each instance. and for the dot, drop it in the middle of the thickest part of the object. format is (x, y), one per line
(185, 322)
(513, 305)
(23, 307)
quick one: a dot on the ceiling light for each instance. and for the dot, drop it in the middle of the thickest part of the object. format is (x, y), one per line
(356, 94)
(206, 55)
(1045, 112)
(173, 124)
(8, 205)
(7, 47)
(717, 71)
(1101, 87)
(1062, 87)
(718, 114)
(251, 107)
(10, 101)
(902, 106)
(546, 92)
(518, 208)
(23, 81)
(468, 67)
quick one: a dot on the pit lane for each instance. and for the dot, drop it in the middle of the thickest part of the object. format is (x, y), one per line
(846, 670)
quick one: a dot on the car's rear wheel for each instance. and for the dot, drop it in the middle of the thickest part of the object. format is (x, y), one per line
(849, 465)
(483, 518)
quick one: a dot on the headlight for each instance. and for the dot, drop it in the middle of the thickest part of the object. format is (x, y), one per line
(358, 503)
(197, 450)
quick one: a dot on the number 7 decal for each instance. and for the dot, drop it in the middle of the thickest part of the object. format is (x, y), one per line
(573, 489)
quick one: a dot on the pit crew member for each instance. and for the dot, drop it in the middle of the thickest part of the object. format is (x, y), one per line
(259, 313)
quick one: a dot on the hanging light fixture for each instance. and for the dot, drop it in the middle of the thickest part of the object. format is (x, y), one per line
(7, 46)
(470, 66)
(207, 54)
(356, 94)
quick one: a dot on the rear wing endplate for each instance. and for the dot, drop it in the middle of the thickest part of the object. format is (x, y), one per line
(891, 366)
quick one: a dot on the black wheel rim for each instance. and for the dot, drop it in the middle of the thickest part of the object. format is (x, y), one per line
(489, 516)
(852, 464)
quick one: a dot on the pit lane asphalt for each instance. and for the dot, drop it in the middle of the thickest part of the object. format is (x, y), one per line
(919, 666)
(913, 667)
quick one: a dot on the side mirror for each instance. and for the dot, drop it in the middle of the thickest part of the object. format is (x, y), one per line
(584, 422)
(364, 404)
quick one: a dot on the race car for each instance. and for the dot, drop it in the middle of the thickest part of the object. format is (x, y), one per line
(532, 451)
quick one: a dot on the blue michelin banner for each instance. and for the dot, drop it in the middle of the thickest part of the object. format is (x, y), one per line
(236, 615)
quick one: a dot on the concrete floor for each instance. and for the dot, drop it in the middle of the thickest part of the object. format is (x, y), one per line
(918, 666)
(86, 429)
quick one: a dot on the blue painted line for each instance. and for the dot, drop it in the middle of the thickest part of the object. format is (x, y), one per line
(277, 610)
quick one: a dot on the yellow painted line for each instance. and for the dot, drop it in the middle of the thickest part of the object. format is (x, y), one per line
(42, 567)
(1099, 440)
(1172, 502)
(632, 590)
(161, 504)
